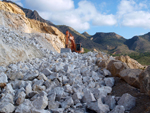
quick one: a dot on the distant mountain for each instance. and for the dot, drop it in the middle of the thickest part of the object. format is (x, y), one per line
(139, 43)
(111, 39)
(146, 36)
(86, 34)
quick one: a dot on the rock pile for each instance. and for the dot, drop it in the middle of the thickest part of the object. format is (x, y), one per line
(60, 83)
(17, 46)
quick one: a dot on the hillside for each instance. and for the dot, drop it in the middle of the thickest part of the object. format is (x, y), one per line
(14, 18)
(139, 43)
(86, 34)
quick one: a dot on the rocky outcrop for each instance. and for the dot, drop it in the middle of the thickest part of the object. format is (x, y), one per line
(11, 16)
(115, 67)
(144, 81)
(131, 76)
(133, 64)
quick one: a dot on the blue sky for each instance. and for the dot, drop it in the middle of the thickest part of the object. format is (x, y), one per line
(124, 17)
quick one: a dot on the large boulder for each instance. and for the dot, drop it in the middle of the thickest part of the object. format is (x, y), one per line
(144, 79)
(133, 64)
(131, 76)
(116, 66)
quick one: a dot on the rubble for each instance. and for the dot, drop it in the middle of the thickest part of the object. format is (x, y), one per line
(60, 83)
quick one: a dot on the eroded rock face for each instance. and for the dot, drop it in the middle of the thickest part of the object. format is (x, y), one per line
(144, 81)
(115, 67)
(131, 76)
(13, 17)
(131, 63)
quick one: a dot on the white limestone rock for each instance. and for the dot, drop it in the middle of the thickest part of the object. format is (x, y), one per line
(88, 96)
(101, 92)
(46, 72)
(31, 75)
(118, 109)
(68, 88)
(3, 78)
(39, 111)
(98, 106)
(67, 103)
(25, 107)
(109, 81)
(53, 105)
(58, 110)
(6, 107)
(28, 89)
(127, 100)
(7, 98)
(110, 101)
(42, 76)
(20, 98)
(41, 101)
(106, 72)
(9, 89)
(2, 69)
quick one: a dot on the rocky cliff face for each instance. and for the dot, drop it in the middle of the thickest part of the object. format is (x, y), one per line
(13, 17)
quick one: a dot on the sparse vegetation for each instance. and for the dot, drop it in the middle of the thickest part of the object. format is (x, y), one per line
(86, 50)
(143, 58)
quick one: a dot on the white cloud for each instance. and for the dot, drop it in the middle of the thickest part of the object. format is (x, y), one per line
(132, 14)
(63, 12)
(102, 20)
(51, 5)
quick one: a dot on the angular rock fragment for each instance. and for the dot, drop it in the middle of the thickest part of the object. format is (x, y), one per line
(25, 107)
(101, 92)
(31, 75)
(42, 76)
(46, 72)
(106, 72)
(110, 101)
(127, 101)
(109, 81)
(41, 101)
(58, 110)
(118, 109)
(9, 89)
(3, 79)
(20, 98)
(28, 89)
(98, 106)
(6, 107)
(67, 103)
(39, 111)
(88, 97)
